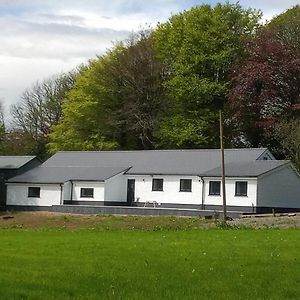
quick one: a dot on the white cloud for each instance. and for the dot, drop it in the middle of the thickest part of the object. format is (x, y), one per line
(17, 74)
(54, 40)
(270, 8)
(40, 38)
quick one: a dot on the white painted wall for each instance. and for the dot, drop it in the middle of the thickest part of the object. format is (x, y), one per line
(97, 186)
(170, 193)
(231, 199)
(50, 194)
(116, 188)
(280, 188)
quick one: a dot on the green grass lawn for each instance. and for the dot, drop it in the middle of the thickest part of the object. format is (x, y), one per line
(138, 264)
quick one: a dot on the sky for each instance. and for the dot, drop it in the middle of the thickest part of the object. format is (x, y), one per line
(40, 38)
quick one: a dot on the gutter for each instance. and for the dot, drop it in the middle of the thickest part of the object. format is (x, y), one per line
(28, 182)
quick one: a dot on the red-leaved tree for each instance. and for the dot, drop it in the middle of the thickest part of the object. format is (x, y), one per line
(265, 90)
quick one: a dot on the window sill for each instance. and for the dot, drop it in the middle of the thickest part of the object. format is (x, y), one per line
(185, 191)
(157, 190)
(216, 195)
(244, 196)
(33, 196)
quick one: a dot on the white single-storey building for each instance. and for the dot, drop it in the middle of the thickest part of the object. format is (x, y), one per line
(255, 181)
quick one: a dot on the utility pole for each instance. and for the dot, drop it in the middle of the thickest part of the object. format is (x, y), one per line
(223, 168)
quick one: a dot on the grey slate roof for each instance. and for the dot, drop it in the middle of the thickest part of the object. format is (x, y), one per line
(44, 174)
(14, 162)
(247, 169)
(101, 165)
(171, 162)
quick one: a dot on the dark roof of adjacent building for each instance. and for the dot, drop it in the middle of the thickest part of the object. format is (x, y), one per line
(247, 169)
(14, 162)
(101, 165)
(62, 174)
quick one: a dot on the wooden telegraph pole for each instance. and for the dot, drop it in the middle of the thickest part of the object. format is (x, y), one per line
(223, 168)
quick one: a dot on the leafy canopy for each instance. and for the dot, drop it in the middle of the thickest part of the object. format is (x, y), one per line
(199, 47)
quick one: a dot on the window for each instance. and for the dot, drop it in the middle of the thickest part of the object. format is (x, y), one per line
(241, 188)
(86, 193)
(185, 185)
(34, 192)
(157, 184)
(215, 188)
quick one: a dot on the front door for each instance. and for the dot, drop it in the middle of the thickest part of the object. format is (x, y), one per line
(130, 191)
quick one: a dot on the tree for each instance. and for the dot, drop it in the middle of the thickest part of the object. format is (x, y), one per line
(286, 27)
(83, 125)
(2, 130)
(199, 46)
(288, 134)
(41, 105)
(40, 108)
(18, 142)
(137, 78)
(265, 89)
(117, 102)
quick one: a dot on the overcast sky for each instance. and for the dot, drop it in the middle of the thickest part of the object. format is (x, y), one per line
(40, 38)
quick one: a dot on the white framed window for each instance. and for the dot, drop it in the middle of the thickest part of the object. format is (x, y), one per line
(157, 184)
(241, 188)
(34, 192)
(86, 193)
(185, 185)
(215, 188)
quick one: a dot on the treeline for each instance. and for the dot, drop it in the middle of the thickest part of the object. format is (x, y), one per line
(163, 88)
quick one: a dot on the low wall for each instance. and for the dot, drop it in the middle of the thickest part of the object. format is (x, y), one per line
(147, 211)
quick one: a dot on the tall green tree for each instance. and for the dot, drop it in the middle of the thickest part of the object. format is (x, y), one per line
(137, 78)
(83, 125)
(199, 46)
(287, 132)
(286, 27)
(117, 101)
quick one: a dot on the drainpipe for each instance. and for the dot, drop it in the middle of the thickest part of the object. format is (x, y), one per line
(61, 194)
(71, 198)
(202, 194)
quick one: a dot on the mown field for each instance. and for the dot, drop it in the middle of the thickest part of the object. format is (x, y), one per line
(145, 258)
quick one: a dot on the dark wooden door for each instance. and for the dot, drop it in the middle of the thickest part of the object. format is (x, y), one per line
(130, 191)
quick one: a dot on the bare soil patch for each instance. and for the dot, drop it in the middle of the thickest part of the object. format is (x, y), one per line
(284, 221)
(49, 220)
(40, 220)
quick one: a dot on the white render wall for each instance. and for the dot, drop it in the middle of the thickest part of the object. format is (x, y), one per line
(231, 199)
(170, 193)
(280, 188)
(116, 188)
(17, 194)
(97, 186)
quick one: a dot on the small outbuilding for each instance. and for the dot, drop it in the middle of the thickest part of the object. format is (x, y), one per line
(11, 166)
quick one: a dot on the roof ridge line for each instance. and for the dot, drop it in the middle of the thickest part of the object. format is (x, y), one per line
(159, 150)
